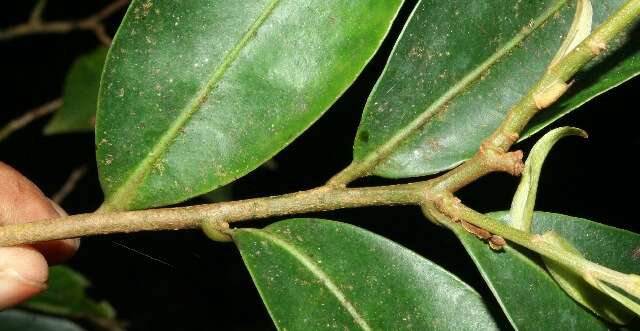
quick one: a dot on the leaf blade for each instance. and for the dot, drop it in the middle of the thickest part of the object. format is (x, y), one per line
(66, 296)
(455, 131)
(80, 95)
(358, 264)
(542, 299)
(518, 302)
(448, 55)
(257, 74)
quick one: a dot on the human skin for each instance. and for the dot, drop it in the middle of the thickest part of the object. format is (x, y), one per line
(24, 268)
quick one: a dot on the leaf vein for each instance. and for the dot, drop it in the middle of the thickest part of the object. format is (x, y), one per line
(373, 158)
(122, 197)
(318, 273)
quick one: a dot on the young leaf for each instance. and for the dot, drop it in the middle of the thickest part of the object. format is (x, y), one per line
(80, 96)
(354, 280)
(457, 69)
(531, 299)
(198, 93)
(525, 197)
(66, 296)
(580, 29)
(19, 320)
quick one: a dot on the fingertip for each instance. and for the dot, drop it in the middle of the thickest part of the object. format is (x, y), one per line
(23, 274)
(58, 251)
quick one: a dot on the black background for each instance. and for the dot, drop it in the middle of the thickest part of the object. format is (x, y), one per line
(204, 285)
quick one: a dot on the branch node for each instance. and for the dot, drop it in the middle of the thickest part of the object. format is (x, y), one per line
(596, 46)
(550, 94)
(450, 205)
(217, 230)
(498, 160)
(496, 242)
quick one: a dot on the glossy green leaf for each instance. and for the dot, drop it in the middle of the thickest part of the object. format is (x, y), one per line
(618, 64)
(525, 197)
(80, 96)
(323, 275)
(198, 93)
(457, 69)
(577, 287)
(528, 295)
(66, 296)
(18, 320)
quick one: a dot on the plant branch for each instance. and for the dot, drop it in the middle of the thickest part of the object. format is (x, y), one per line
(29, 117)
(544, 93)
(319, 199)
(366, 165)
(453, 209)
(35, 24)
(492, 156)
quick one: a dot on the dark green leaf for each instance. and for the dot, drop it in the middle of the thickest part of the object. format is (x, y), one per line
(620, 63)
(198, 93)
(611, 247)
(66, 296)
(80, 96)
(529, 296)
(524, 199)
(17, 320)
(578, 287)
(323, 275)
(457, 69)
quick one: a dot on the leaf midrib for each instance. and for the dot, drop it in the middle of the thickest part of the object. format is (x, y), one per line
(377, 155)
(317, 272)
(123, 196)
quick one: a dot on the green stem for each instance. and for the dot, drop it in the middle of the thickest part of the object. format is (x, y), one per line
(363, 167)
(453, 209)
(320, 199)
(548, 89)
(492, 156)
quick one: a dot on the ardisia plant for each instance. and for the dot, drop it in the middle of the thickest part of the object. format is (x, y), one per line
(195, 94)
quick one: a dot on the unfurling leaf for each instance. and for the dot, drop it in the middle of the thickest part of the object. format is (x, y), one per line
(323, 275)
(525, 197)
(580, 29)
